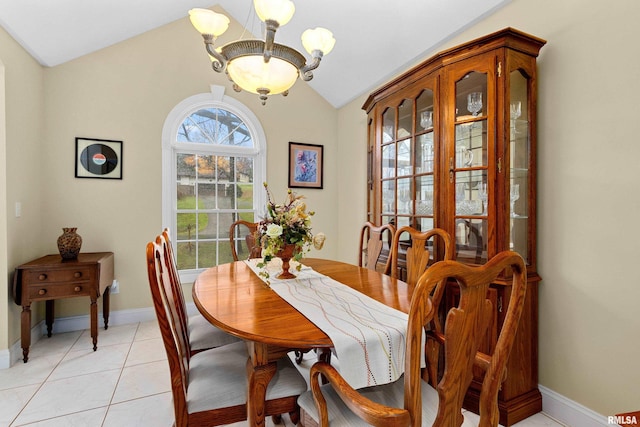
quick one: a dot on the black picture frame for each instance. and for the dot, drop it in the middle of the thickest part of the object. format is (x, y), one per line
(98, 158)
(306, 164)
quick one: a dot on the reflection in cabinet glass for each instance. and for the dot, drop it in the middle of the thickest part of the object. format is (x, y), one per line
(453, 146)
(519, 163)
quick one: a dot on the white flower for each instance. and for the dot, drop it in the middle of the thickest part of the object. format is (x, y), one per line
(274, 230)
(318, 240)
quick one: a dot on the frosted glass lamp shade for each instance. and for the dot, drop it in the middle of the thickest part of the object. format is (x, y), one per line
(318, 39)
(280, 11)
(251, 73)
(208, 22)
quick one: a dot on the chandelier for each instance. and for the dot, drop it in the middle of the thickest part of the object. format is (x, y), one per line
(262, 67)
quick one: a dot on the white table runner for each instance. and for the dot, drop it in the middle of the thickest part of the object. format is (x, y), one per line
(369, 337)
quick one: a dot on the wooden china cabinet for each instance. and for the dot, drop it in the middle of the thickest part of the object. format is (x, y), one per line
(452, 144)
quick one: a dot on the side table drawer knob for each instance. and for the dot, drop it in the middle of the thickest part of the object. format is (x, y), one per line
(77, 274)
(77, 288)
(42, 277)
(42, 291)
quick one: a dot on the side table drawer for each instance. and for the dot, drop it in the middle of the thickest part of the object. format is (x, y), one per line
(38, 291)
(80, 274)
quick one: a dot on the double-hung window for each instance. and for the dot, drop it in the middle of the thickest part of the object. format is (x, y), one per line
(213, 168)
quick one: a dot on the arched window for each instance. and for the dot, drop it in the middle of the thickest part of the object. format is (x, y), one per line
(213, 167)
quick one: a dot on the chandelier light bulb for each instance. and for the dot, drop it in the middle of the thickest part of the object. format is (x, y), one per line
(208, 22)
(280, 11)
(318, 39)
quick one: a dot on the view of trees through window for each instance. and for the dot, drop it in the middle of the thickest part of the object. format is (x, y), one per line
(213, 188)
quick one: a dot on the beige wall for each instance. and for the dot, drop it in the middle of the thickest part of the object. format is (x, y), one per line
(588, 200)
(21, 161)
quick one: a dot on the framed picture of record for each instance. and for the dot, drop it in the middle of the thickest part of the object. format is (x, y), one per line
(98, 158)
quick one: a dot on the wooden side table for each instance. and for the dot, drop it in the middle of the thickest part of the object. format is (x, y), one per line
(50, 278)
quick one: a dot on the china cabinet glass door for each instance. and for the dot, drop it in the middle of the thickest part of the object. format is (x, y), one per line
(468, 167)
(519, 161)
(408, 164)
(425, 161)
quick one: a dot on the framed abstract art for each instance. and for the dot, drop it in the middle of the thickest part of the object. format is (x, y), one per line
(305, 165)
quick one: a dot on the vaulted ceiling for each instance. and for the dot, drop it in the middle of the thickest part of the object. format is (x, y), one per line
(375, 39)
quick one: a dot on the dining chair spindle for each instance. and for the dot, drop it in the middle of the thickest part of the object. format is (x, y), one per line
(372, 240)
(246, 229)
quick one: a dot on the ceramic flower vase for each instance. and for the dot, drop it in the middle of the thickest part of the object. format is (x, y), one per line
(285, 254)
(69, 243)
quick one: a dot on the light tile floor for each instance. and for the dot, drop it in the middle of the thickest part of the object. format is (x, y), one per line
(124, 383)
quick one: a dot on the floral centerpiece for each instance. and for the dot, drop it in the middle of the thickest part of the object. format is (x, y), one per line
(285, 232)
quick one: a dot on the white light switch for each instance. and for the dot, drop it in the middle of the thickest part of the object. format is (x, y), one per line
(18, 209)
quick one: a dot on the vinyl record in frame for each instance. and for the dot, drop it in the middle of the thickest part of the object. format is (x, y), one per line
(98, 158)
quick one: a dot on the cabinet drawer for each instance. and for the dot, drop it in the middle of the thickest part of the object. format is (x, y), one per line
(80, 274)
(59, 290)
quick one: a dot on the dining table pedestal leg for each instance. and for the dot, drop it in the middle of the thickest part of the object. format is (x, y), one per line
(260, 371)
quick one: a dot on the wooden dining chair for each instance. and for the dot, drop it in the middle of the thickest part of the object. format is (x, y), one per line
(201, 334)
(246, 229)
(372, 239)
(418, 252)
(408, 401)
(209, 388)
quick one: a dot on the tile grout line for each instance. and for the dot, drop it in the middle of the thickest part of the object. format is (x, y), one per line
(124, 364)
(42, 383)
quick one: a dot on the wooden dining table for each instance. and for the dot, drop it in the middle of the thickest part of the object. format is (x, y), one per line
(233, 298)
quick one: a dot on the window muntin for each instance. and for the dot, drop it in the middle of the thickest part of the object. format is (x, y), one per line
(215, 126)
(214, 152)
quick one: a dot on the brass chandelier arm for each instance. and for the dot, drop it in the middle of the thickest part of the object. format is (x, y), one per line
(220, 62)
(306, 72)
(272, 26)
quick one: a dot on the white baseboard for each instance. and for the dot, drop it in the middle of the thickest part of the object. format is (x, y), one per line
(5, 358)
(570, 413)
(74, 323)
(79, 323)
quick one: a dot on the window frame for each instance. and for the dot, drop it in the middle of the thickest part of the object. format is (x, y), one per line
(170, 149)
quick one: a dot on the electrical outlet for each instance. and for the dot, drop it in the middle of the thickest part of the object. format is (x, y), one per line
(115, 287)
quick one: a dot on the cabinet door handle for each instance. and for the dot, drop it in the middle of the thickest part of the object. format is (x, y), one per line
(77, 288)
(77, 274)
(451, 169)
(42, 277)
(42, 291)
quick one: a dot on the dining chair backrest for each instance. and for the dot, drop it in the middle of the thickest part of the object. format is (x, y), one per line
(174, 278)
(372, 240)
(246, 229)
(171, 327)
(418, 253)
(465, 328)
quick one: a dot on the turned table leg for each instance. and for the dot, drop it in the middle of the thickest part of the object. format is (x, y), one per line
(25, 337)
(49, 316)
(94, 322)
(105, 306)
